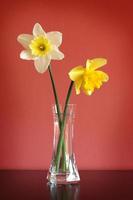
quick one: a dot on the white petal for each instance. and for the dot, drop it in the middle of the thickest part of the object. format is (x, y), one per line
(55, 38)
(56, 54)
(25, 39)
(26, 55)
(38, 30)
(42, 63)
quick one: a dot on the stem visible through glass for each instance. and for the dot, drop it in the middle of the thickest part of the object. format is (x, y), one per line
(60, 141)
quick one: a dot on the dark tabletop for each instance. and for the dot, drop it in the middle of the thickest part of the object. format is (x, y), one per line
(94, 185)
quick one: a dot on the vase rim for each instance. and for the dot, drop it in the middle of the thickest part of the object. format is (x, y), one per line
(71, 108)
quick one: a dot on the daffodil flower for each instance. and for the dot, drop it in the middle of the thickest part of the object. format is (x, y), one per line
(41, 47)
(88, 78)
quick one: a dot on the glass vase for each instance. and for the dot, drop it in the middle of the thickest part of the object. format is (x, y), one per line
(63, 168)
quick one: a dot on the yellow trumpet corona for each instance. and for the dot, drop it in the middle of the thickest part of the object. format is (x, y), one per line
(40, 46)
(88, 78)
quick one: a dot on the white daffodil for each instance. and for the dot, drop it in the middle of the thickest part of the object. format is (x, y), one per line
(41, 47)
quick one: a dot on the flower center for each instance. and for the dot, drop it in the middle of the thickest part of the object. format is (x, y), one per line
(40, 46)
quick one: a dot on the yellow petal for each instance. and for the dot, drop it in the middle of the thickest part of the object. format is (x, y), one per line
(92, 80)
(88, 92)
(87, 87)
(76, 73)
(95, 63)
(78, 84)
(102, 76)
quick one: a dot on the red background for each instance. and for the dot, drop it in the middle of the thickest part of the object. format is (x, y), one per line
(103, 124)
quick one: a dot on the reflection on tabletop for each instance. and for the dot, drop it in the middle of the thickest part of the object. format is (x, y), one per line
(64, 192)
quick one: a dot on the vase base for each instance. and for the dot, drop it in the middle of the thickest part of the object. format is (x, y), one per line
(63, 178)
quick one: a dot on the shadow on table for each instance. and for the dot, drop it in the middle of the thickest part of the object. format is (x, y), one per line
(64, 192)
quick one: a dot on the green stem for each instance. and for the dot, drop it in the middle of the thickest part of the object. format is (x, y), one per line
(64, 155)
(59, 147)
(58, 113)
(55, 95)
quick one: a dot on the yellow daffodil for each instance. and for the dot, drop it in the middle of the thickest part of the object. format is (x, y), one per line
(88, 78)
(41, 47)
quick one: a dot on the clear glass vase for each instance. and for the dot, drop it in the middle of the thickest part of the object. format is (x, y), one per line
(63, 169)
